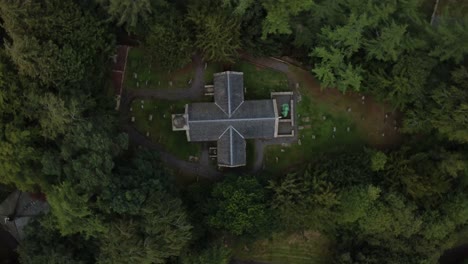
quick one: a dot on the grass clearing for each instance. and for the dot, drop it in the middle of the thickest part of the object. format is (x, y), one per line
(281, 248)
(211, 68)
(160, 127)
(150, 77)
(260, 82)
(320, 130)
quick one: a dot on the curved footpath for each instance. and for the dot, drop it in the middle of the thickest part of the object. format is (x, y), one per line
(195, 91)
(260, 144)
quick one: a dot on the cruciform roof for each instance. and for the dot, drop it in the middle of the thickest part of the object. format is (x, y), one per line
(230, 120)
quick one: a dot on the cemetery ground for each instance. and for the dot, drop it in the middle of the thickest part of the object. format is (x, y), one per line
(327, 120)
(153, 119)
(141, 74)
(296, 248)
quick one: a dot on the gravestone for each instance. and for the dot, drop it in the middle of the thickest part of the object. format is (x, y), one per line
(150, 118)
(133, 119)
(131, 109)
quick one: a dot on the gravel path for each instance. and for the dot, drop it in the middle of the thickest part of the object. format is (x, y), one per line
(203, 168)
(260, 144)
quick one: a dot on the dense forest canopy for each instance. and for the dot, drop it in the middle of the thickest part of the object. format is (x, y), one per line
(114, 203)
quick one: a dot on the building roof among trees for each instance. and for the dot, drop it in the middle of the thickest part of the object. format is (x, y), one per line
(17, 209)
(230, 120)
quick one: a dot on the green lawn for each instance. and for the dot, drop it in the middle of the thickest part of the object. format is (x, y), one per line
(160, 128)
(212, 68)
(150, 77)
(315, 137)
(260, 82)
(285, 248)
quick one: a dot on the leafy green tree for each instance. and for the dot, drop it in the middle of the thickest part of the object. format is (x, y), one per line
(303, 200)
(239, 206)
(44, 245)
(252, 31)
(449, 113)
(19, 160)
(55, 41)
(78, 171)
(450, 36)
(279, 14)
(160, 231)
(131, 13)
(407, 81)
(214, 255)
(387, 46)
(72, 212)
(168, 43)
(378, 161)
(132, 184)
(217, 34)
(355, 202)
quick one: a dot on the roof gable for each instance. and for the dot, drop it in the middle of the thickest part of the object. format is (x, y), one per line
(231, 148)
(229, 91)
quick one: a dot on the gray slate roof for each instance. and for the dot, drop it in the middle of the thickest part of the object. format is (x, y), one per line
(19, 208)
(230, 120)
(233, 145)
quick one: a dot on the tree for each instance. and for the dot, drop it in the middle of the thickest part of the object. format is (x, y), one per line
(55, 41)
(43, 245)
(78, 172)
(378, 161)
(238, 206)
(131, 13)
(19, 160)
(450, 37)
(279, 14)
(159, 231)
(216, 254)
(217, 34)
(168, 43)
(451, 108)
(303, 200)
